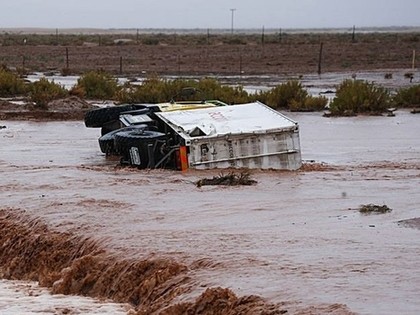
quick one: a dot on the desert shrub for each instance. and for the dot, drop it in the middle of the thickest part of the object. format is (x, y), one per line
(77, 91)
(98, 85)
(409, 75)
(150, 41)
(355, 96)
(65, 72)
(408, 96)
(284, 94)
(309, 104)
(212, 89)
(152, 90)
(156, 90)
(44, 91)
(235, 40)
(374, 209)
(11, 84)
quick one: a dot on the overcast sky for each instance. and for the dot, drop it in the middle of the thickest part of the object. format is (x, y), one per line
(208, 13)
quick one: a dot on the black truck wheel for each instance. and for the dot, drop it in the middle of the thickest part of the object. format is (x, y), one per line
(139, 147)
(99, 117)
(106, 141)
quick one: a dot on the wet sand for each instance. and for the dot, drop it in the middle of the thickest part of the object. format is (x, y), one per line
(296, 238)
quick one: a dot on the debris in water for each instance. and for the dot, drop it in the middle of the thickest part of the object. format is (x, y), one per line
(411, 223)
(374, 209)
(231, 179)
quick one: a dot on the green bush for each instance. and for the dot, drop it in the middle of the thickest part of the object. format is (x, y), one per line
(408, 96)
(309, 104)
(156, 90)
(355, 96)
(150, 41)
(44, 91)
(212, 89)
(97, 85)
(11, 84)
(283, 95)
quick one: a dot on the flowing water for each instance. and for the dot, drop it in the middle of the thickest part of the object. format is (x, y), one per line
(295, 239)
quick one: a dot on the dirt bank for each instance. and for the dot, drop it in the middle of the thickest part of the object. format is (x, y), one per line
(293, 54)
(71, 108)
(69, 264)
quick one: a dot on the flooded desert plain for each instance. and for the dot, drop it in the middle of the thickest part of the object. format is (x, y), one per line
(150, 240)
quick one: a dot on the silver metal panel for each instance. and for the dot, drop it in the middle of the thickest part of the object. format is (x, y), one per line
(241, 136)
(280, 150)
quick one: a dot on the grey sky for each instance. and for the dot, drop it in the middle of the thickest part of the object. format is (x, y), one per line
(208, 13)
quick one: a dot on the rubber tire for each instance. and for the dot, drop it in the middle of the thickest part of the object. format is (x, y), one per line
(110, 126)
(97, 118)
(126, 140)
(106, 142)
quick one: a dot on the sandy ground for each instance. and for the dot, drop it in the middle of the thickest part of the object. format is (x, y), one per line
(296, 238)
(295, 54)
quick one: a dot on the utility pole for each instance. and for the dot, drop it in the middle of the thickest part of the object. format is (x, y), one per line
(233, 12)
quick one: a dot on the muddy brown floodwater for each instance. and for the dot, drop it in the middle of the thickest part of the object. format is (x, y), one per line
(295, 239)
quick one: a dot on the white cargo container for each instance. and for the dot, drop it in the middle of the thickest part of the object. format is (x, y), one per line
(240, 136)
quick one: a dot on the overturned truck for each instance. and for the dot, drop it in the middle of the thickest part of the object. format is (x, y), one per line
(200, 135)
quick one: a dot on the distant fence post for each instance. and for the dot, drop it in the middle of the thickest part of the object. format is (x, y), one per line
(121, 64)
(320, 58)
(23, 63)
(413, 66)
(240, 64)
(353, 36)
(262, 36)
(67, 58)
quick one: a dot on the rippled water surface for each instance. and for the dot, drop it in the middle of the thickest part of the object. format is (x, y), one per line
(295, 237)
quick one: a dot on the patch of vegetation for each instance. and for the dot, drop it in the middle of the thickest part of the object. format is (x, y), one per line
(408, 96)
(97, 85)
(356, 97)
(44, 91)
(309, 104)
(152, 90)
(290, 95)
(409, 75)
(284, 94)
(231, 179)
(374, 209)
(212, 89)
(235, 40)
(11, 84)
(156, 90)
(150, 41)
